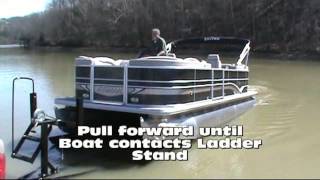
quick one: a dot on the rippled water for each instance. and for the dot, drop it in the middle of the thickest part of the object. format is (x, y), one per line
(286, 118)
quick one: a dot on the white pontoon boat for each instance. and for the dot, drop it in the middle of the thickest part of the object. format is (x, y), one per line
(160, 90)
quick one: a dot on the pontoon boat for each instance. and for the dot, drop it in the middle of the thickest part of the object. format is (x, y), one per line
(160, 90)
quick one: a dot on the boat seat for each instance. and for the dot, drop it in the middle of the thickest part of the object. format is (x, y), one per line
(102, 61)
(171, 55)
(83, 61)
(122, 62)
(214, 60)
(168, 61)
(191, 59)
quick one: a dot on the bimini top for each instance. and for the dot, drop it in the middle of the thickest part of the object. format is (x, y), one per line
(212, 40)
(245, 43)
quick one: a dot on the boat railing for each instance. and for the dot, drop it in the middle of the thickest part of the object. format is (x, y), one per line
(214, 84)
(244, 55)
(127, 84)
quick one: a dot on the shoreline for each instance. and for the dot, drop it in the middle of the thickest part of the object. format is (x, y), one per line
(8, 46)
(313, 56)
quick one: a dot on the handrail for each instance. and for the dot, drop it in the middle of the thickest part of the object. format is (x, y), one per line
(244, 54)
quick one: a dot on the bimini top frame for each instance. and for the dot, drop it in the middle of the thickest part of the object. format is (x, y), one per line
(216, 40)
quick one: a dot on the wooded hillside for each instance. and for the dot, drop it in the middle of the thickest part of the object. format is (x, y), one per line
(272, 25)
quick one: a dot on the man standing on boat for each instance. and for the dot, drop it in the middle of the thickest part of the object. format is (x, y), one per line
(157, 47)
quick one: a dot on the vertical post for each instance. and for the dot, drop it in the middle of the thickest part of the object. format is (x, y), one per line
(80, 110)
(44, 149)
(212, 83)
(194, 84)
(91, 92)
(125, 84)
(12, 116)
(33, 103)
(223, 75)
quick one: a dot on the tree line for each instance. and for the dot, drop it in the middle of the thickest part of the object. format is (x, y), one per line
(272, 25)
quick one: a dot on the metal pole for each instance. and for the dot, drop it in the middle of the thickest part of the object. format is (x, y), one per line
(44, 149)
(33, 103)
(125, 84)
(223, 75)
(12, 116)
(80, 113)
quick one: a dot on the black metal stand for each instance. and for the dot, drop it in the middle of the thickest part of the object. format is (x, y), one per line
(44, 150)
(33, 104)
(46, 127)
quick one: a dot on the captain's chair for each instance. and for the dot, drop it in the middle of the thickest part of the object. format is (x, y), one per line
(214, 60)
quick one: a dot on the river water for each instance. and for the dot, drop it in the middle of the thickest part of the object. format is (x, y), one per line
(286, 118)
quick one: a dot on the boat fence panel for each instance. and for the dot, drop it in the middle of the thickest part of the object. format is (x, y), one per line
(83, 81)
(160, 86)
(155, 74)
(218, 83)
(234, 81)
(108, 84)
(203, 85)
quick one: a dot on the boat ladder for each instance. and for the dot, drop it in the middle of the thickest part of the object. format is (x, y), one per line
(38, 119)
